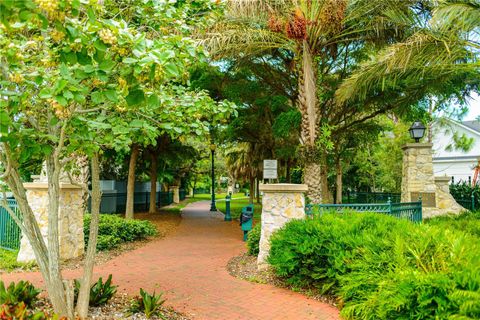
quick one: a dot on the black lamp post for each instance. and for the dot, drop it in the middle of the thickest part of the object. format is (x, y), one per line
(417, 130)
(212, 149)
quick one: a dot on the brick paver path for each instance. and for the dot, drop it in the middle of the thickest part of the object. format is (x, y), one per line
(189, 266)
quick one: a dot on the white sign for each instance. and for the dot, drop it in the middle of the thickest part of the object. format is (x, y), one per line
(270, 174)
(270, 164)
(270, 169)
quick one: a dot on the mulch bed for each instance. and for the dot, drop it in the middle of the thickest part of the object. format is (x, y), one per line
(117, 309)
(245, 267)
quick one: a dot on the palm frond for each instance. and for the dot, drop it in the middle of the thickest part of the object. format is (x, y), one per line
(460, 15)
(234, 40)
(423, 55)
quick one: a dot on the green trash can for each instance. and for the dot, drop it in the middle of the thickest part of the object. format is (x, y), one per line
(246, 220)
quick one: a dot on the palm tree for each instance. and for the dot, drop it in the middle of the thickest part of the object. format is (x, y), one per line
(443, 52)
(320, 35)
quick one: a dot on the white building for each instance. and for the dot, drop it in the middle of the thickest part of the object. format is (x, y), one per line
(447, 160)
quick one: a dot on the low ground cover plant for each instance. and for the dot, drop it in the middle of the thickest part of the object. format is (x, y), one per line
(113, 230)
(468, 222)
(22, 291)
(148, 304)
(380, 267)
(17, 302)
(100, 292)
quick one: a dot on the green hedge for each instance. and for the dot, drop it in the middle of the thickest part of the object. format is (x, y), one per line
(253, 240)
(381, 267)
(113, 230)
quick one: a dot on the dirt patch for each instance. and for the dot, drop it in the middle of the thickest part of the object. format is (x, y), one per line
(245, 267)
(117, 309)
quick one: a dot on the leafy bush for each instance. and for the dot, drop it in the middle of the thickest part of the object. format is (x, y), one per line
(464, 191)
(113, 230)
(149, 304)
(380, 267)
(22, 292)
(253, 240)
(468, 222)
(100, 292)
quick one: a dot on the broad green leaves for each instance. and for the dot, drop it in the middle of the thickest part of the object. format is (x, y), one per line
(110, 80)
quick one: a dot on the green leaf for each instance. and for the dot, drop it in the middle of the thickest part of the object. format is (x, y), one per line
(153, 100)
(97, 97)
(106, 65)
(91, 15)
(45, 93)
(135, 97)
(68, 94)
(172, 70)
(89, 68)
(99, 45)
(111, 95)
(61, 100)
(136, 123)
(130, 60)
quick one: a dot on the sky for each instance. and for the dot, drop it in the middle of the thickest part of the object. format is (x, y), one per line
(474, 108)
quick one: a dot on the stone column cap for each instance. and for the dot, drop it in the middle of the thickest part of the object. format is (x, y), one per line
(443, 178)
(417, 145)
(283, 187)
(44, 185)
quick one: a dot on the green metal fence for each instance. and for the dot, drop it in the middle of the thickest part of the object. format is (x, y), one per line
(9, 231)
(467, 203)
(405, 210)
(182, 194)
(370, 197)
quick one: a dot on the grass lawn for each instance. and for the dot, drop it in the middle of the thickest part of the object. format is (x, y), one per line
(218, 196)
(8, 261)
(236, 206)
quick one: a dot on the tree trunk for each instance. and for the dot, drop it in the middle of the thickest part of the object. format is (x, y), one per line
(84, 294)
(289, 178)
(55, 284)
(153, 183)
(258, 190)
(307, 104)
(131, 182)
(252, 189)
(339, 180)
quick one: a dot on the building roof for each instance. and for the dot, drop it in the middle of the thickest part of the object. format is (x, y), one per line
(474, 125)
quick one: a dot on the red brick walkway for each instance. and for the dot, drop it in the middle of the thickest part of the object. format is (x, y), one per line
(189, 266)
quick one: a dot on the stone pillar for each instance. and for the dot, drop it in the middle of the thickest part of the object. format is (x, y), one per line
(281, 203)
(176, 193)
(445, 202)
(418, 181)
(70, 222)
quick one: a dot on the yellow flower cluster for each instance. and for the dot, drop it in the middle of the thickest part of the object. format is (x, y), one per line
(107, 36)
(122, 83)
(49, 6)
(56, 35)
(60, 111)
(16, 77)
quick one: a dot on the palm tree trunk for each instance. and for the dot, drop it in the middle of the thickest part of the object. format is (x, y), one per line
(307, 103)
(131, 182)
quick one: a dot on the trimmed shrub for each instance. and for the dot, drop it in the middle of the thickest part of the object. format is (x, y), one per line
(468, 222)
(253, 240)
(381, 267)
(113, 230)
